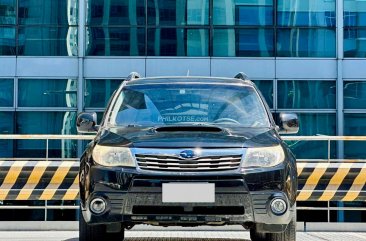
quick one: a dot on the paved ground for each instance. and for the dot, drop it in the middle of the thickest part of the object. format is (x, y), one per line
(175, 236)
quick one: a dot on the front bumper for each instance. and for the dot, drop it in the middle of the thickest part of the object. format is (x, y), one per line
(136, 198)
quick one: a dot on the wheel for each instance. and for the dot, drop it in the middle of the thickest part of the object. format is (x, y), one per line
(288, 235)
(97, 232)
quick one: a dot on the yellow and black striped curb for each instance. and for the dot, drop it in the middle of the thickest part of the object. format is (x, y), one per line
(59, 180)
(39, 180)
(332, 181)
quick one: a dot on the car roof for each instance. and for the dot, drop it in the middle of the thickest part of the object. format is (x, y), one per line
(188, 79)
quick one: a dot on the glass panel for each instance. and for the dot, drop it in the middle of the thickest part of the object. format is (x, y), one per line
(266, 88)
(354, 125)
(306, 13)
(297, 94)
(7, 12)
(348, 216)
(7, 41)
(62, 214)
(177, 13)
(156, 105)
(115, 41)
(314, 124)
(48, 41)
(6, 127)
(354, 13)
(243, 12)
(298, 42)
(22, 214)
(99, 117)
(62, 123)
(355, 95)
(177, 42)
(243, 42)
(116, 12)
(47, 93)
(355, 43)
(48, 12)
(98, 91)
(6, 92)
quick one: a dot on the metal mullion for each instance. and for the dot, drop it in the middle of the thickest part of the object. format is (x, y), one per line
(16, 91)
(274, 31)
(46, 109)
(354, 80)
(302, 79)
(211, 33)
(309, 111)
(354, 111)
(306, 27)
(47, 77)
(339, 82)
(146, 33)
(16, 29)
(90, 109)
(275, 94)
(7, 109)
(82, 25)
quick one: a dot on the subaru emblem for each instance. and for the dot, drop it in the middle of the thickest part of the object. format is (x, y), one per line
(187, 154)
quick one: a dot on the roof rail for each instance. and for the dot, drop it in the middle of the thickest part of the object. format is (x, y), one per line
(132, 76)
(242, 76)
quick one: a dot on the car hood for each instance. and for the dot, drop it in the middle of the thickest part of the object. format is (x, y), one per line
(150, 138)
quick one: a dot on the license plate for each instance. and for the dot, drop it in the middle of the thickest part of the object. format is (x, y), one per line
(188, 192)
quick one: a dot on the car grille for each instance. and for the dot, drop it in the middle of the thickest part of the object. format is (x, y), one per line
(174, 163)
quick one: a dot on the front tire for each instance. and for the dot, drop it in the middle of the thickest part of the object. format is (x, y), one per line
(288, 235)
(97, 232)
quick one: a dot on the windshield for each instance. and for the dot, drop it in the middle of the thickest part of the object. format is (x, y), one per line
(188, 104)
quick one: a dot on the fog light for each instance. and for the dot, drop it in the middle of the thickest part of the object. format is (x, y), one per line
(98, 205)
(278, 206)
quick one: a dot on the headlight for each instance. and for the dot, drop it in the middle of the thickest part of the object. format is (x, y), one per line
(263, 157)
(113, 156)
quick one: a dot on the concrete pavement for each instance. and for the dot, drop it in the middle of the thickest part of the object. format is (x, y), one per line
(175, 236)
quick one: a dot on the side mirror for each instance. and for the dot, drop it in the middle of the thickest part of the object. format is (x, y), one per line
(288, 123)
(87, 122)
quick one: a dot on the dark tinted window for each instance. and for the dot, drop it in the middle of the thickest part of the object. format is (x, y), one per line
(47, 92)
(48, 12)
(62, 123)
(243, 12)
(297, 94)
(98, 92)
(299, 42)
(7, 12)
(243, 43)
(7, 41)
(177, 13)
(177, 42)
(48, 41)
(116, 12)
(266, 88)
(115, 41)
(354, 95)
(6, 92)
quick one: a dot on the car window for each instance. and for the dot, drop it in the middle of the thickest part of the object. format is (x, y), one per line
(152, 105)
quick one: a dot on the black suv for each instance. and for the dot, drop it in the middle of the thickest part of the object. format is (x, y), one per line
(188, 151)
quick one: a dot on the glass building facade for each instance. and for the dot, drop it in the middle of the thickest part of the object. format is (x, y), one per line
(61, 57)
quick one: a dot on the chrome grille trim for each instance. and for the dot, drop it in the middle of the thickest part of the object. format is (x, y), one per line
(206, 162)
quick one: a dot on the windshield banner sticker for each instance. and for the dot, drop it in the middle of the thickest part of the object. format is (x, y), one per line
(182, 118)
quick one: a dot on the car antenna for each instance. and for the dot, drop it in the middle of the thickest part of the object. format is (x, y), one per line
(132, 76)
(243, 76)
